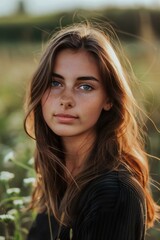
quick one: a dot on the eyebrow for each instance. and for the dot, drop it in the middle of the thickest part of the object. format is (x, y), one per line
(81, 78)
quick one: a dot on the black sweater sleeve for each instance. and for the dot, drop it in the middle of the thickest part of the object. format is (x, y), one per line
(115, 210)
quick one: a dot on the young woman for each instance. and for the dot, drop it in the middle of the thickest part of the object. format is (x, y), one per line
(92, 170)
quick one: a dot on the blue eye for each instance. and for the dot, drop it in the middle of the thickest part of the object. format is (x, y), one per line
(55, 83)
(86, 87)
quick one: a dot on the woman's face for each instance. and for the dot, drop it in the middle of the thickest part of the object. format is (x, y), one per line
(73, 104)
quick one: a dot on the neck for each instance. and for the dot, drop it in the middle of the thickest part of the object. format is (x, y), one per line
(77, 150)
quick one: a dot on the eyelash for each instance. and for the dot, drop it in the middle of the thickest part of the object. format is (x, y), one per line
(55, 83)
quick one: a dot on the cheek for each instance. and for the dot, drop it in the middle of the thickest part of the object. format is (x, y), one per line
(47, 100)
(44, 112)
(45, 97)
(46, 105)
(96, 103)
(93, 110)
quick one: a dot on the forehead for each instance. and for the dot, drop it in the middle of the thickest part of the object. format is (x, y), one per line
(80, 60)
(75, 54)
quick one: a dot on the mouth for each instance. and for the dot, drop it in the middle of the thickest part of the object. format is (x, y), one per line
(65, 115)
(65, 118)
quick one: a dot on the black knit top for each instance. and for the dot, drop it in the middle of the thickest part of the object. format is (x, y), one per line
(111, 207)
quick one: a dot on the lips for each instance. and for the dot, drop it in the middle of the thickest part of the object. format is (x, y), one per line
(65, 118)
(65, 115)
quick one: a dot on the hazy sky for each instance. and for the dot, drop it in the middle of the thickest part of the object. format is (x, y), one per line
(44, 6)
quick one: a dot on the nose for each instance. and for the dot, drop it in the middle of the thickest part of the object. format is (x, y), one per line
(67, 101)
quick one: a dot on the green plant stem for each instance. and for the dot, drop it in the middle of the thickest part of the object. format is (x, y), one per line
(6, 231)
(9, 199)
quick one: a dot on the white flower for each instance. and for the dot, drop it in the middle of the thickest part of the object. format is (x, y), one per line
(6, 218)
(2, 238)
(6, 176)
(27, 199)
(12, 212)
(13, 190)
(31, 161)
(9, 156)
(18, 202)
(28, 181)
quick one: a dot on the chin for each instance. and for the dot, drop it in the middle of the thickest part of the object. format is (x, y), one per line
(64, 133)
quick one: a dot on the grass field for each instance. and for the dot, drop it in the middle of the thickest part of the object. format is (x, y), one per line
(17, 63)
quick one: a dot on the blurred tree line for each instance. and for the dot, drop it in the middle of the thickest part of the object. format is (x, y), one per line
(24, 27)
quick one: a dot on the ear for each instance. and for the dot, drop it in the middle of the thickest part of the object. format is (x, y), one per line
(107, 106)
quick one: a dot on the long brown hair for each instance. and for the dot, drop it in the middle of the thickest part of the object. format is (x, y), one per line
(119, 136)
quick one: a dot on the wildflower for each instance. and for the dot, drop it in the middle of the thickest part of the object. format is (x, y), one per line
(2, 238)
(28, 181)
(31, 161)
(9, 157)
(18, 202)
(6, 218)
(12, 212)
(27, 199)
(13, 190)
(6, 176)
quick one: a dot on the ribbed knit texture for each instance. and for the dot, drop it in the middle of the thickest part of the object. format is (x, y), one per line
(111, 207)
